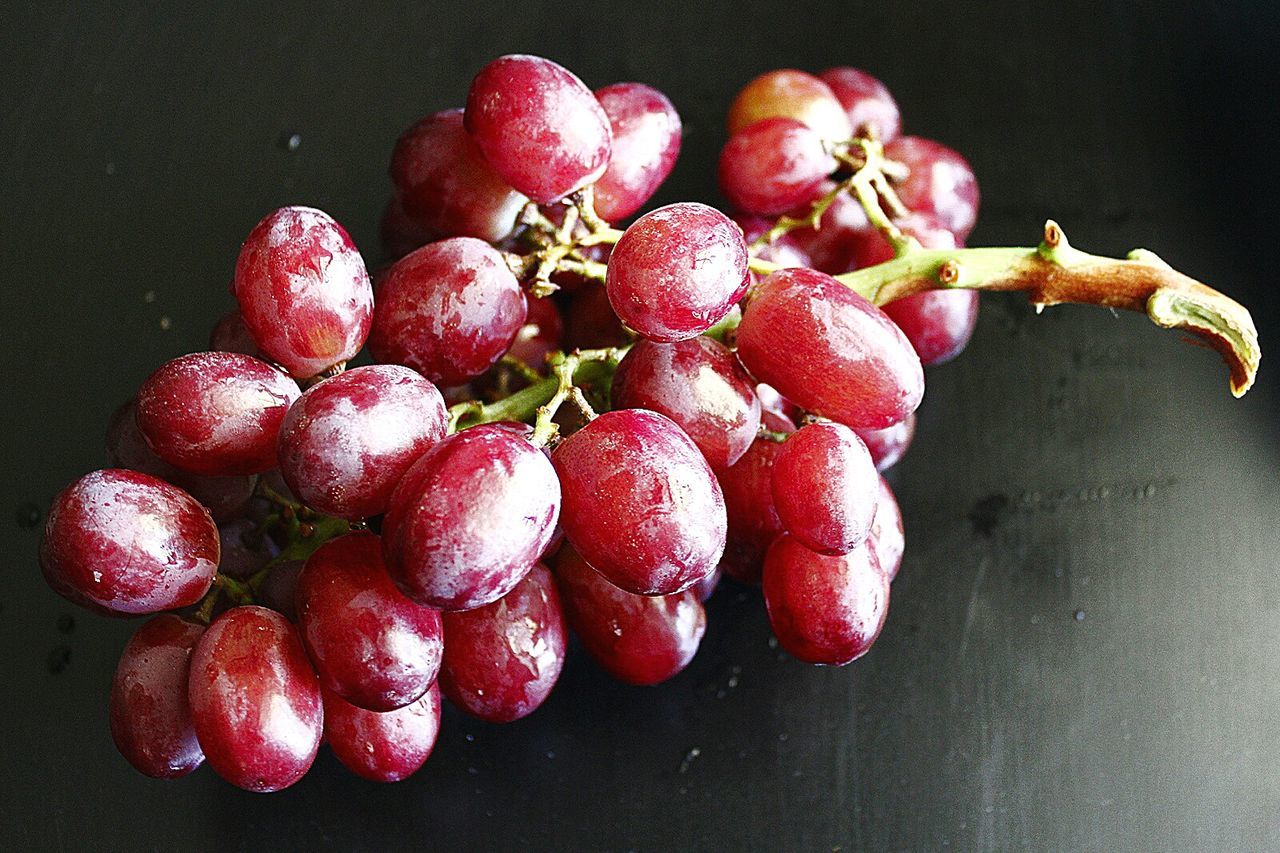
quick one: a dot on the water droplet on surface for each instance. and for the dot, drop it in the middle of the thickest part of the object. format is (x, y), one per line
(290, 141)
(1079, 615)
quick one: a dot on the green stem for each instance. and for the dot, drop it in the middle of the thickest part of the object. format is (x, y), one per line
(595, 367)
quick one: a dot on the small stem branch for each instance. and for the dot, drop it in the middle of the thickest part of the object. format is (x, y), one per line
(545, 429)
(813, 219)
(594, 367)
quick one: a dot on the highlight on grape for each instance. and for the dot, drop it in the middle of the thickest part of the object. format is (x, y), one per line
(571, 426)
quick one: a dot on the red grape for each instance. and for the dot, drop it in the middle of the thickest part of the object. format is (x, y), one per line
(888, 540)
(128, 542)
(772, 401)
(866, 101)
(829, 350)
(446, 186)
(382, 747)
(697, 383)
(303, 290)
(706, 587)
(255, 700)
(831, 246)
(370, 645)
(224, 497)
(640, 502)
(470, 518)
(773, 166)
(230, 334)
(790, 94)
(448, 310)
(826, 610)
(589, 321)
(349, 440)
(646, 143)
(784, 251)
(279, 589)
(748, 501)
(150, 716)
(215, 413)
(541, 334)
(244, 550)
(940, 183)
(825, 487)
(400, 234)
(677, 271)
(888, 445)
(639, 639)
(539, 126)
(501, 660)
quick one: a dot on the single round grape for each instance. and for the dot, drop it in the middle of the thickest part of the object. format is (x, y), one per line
(640, 502)
(279, 589)
(382, 747)
(748, 501)
(890, 444)
(502, 660)
(150, 716)
(346, 443)
(825, 487)
(539, 126)
(940, 183)
(470, 518)
(224, 497)
(697, 383)
(773, 166)
(831, 246)
(230, 334)
(590, 323)
(446, 186)
(370, 645)
(541, 334)
(939, 323)
(400, 233)
(825, 610)
(448, 310)
(245, 550)
(255, 700)
(677, 271)
(304, 291)
(793, 94)
(215, 413)
(646, 143)
(127, 542)
(866, 101)
(638, 639)
(888, 539)
(829, 350)
(772, 401)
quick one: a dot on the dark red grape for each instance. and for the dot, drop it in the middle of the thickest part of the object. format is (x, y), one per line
(826, 610)
(445, 184)
(400, 234)
(539, 126)
(888, 445)
(938, 323)
(646, 143)
(382, 747)
(831, 246)
(502, 660)
(128, 542)
(279, 589)
(224, 497)
(215, 413)
(940, 183)
(866, 101)
(825, 487)
(589, 321)
(345, 445)
(829, 350)
(541, 334)
(640, 502)
(255, 700)
(230, 334)
(639, 639)
(370, 645)
(677, 271)
(448, 310)
(788, 93)
(888, 540)
(244, 550)
(748, 501)
(772, 166)
(304, 291)
(697, 383)
(150, 716)
(470, 518)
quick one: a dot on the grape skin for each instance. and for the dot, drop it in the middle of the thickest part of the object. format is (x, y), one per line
(825, 487)
(890, 444)
(748, 500)
(382, 747)
(773, 166)
(866, 101)
(793, 94)
(646, 143)
(888, 539)
(940, 183)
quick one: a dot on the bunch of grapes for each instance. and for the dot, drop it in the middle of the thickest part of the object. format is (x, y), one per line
(567, 427)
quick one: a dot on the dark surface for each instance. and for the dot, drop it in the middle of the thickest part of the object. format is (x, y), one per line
(1083, 649)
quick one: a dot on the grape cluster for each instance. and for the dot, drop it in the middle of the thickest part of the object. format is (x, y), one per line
(568, 427)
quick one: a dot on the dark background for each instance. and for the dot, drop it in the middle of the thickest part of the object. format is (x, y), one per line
(1083, 649)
